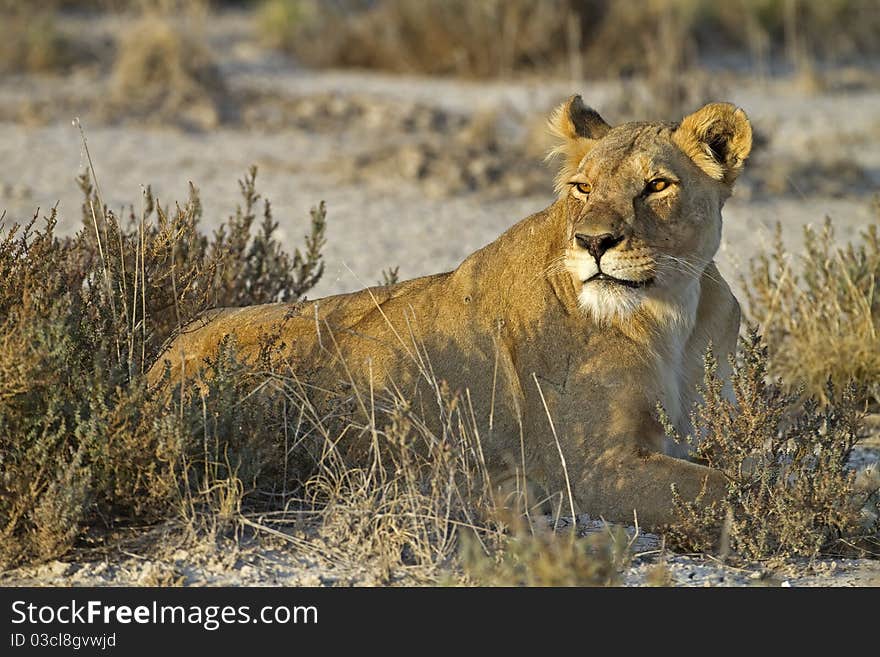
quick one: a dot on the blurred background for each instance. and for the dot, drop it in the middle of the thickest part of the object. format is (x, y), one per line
(421, 122)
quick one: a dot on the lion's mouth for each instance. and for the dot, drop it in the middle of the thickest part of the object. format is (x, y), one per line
(601, 276)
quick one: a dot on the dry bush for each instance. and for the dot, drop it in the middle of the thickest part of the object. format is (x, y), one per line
(166, 270)
(30, 41)
(583, 38)
(819, 311)
(84, 442)
(580, 38)
(838, 30)
(164, 70)
(662, 35)
(650, 37)
(227, 428)
(494, 37)
(790, 492)
(652, 48)
(82, 319)
(529, 556)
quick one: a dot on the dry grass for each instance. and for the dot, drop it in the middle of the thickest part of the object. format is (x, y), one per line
(459, 37)
(533, 556)
(81, 437)
(790, 492)
(30, 41)
(577, 38)
(164, 70)
(581, 38)
(417, 505)
(401, 503)
(819, 310)
(85, 446)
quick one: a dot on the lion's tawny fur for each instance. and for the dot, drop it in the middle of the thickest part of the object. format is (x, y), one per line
(521, 313)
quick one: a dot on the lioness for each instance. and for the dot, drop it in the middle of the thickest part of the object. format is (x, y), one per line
(588, 313)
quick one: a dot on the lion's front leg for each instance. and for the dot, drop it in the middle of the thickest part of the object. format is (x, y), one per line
(624, 482)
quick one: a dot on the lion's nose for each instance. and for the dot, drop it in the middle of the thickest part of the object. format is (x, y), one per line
(597, 245)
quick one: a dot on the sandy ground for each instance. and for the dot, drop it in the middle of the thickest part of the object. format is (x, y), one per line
(363, 143)
(272, 562)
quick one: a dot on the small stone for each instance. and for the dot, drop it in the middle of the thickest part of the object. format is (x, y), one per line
(413, 162)
(58, 568)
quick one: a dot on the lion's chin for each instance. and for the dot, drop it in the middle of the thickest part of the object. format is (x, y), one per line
(610, 302)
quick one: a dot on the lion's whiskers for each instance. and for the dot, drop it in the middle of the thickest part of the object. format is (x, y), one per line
(684, 266)
(557, 265)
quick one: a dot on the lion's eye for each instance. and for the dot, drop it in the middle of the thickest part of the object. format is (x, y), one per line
(583, 188)
(656, 185)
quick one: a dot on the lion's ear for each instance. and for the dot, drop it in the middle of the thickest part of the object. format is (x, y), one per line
(575, 127)
(574, 120)
(718, 138)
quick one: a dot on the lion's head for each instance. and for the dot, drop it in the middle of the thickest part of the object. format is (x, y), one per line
(643, 202)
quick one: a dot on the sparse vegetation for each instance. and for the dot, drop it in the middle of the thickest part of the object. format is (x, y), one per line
(789, 490)
(86, 447)
(819, 310)
(83, 318)
(530, 556)
(465, 38)
(401, 503)
(83, 440)
(163, 69)
(30, 41)
(582, 38)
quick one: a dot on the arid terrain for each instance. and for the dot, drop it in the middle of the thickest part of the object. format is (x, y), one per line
(417, 172)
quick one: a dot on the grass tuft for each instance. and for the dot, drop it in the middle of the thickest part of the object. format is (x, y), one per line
(30, 40)
(539, 557)
(164, 70)
(819, 311)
